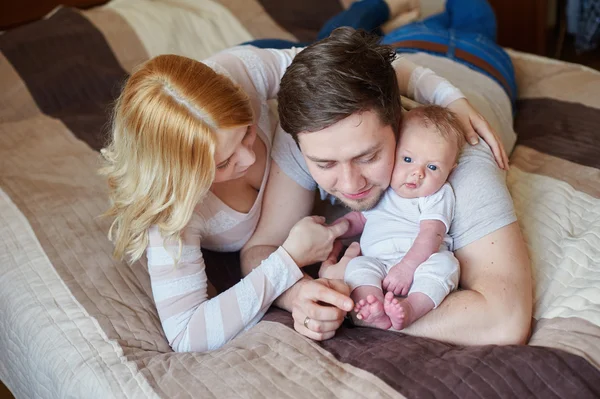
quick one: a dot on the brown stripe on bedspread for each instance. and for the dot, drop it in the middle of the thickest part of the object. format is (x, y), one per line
(72, 76)
(582, 178)
(423, 368)
(303, 19)
(566, 130)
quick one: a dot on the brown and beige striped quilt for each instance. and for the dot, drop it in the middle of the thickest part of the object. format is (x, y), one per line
(74, 323)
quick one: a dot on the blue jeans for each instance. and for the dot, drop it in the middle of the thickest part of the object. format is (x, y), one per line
(366, 14)
(469, 25)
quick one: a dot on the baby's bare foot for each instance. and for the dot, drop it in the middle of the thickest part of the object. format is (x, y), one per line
(399, 312)
(372, 313)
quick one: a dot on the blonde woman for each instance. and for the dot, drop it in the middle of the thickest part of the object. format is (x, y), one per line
(187, 168)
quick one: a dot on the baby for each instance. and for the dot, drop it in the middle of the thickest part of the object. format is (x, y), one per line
(405, 243)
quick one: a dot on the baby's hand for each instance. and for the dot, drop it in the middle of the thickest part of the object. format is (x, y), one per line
(399, 279)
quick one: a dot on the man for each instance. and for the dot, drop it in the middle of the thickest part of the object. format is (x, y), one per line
(336, 100)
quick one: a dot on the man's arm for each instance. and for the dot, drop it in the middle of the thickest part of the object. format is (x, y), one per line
(495, 302)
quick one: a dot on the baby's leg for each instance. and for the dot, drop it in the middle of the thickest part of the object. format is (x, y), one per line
(434, 279)
(364, 275)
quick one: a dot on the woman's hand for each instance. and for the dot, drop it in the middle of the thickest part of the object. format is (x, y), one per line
(311, 240)
(475, 125)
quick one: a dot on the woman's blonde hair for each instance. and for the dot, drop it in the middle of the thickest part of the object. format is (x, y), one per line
(160, 160)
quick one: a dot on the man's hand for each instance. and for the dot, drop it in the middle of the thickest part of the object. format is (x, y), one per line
(476, 125)
(399, 279)
(319, 307)
(331, 268)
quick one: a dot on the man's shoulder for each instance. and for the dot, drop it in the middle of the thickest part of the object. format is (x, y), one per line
(286, 154)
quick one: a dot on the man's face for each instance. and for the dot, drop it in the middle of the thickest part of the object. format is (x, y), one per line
(352, 159)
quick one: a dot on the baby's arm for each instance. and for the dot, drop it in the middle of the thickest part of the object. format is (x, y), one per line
(437, 212)
(428, 241)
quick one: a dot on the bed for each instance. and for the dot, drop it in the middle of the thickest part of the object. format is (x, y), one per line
(74, 323)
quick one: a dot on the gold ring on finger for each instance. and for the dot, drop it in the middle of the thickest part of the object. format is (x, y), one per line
(306, 320)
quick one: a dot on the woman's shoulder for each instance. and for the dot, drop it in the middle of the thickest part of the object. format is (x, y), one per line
(247, 66)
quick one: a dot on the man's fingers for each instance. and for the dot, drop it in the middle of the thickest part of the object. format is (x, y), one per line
(352, 251)
(334, 254)
(323, 313)
(319, 312)
(320, 326)
(318, 219)
(317, 336)
(331, 296)
(340, 287)
(339, 228)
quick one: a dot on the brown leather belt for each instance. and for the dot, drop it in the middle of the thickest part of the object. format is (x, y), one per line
(459, 54)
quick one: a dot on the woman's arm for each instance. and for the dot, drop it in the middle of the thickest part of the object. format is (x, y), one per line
(193, 322)
(255, 69)
(423, 85)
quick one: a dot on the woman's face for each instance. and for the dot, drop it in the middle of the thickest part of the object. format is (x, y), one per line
(234, 153)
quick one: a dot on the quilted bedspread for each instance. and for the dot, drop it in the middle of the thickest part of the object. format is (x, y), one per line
(75, 323)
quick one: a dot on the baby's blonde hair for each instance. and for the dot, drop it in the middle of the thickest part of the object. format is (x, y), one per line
(444, 121)
(160, 160)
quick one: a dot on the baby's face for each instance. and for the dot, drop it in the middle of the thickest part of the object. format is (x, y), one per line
(424, 160)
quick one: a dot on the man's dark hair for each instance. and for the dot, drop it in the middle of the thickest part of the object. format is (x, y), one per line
(331, 79)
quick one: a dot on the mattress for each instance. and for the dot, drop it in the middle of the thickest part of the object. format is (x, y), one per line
(75, 323)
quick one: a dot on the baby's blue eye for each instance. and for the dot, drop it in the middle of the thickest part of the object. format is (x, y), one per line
(432, 167)
(407, 159)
